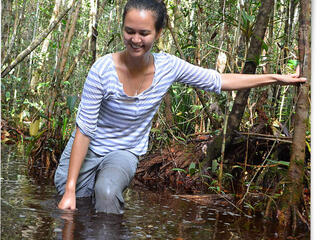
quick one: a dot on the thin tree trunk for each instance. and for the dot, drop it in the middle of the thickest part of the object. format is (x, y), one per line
(17, 21)
(235, 45)
(293, 193)
(67, 45)
(36, 42)
(84, 45)
(254, 51)
(197, 60)
(293, 6)
(93, 29)
(222, 33)
(63, 42)
(34, 34)
(6, 13)
(199, 94)
(269, 38)
(44, 50)
(118, 5)
(286, 33)
(63, 61)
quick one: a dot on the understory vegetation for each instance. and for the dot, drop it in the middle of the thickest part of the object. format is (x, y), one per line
(48, 48)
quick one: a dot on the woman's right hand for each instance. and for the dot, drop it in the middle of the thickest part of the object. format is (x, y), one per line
(68, 201)
(78, 153)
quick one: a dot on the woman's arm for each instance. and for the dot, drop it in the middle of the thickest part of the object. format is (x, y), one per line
(78, 153)
(233, 81)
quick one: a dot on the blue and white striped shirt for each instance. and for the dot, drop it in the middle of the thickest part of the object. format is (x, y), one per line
(115, 121)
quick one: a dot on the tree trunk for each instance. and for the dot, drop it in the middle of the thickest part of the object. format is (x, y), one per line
(44, 50)
(36, 42)
(17, 21)
(291, 199)
(199, 94)
(62, 62)
(83, 48)
(254, 52)
(67, 45)
(253, 56)
(34, 34)
(93, 29)
(6, 13)
(236, 44)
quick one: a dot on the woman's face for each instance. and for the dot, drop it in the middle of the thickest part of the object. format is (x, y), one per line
(139, 32)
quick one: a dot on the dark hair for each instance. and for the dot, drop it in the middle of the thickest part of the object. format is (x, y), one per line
(156, 6)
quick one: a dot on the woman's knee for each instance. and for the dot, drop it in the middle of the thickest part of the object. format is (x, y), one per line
(108, 197)
(105, 188)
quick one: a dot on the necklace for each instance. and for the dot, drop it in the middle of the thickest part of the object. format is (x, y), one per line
(140, 84)
(142, 80)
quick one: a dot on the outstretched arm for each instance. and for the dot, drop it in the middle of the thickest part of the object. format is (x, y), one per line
(234, 81)
(78, 153)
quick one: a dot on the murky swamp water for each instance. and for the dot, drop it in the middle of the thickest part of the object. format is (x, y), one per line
(29, 211)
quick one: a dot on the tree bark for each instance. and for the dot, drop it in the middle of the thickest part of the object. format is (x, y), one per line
(62, 61)
(199, 94)
(254, 52)
(65, 50)
(83, 48)
(36, 42)
(293, 193)
(6, 13)
(93, 29)
(44, 50)
(250, 66)
(17, 21)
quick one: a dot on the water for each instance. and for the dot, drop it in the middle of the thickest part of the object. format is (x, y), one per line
(29, 211)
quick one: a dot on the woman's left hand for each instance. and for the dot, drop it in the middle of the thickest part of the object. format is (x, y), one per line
(291, 79)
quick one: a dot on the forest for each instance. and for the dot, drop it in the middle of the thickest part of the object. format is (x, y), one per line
(249, 144)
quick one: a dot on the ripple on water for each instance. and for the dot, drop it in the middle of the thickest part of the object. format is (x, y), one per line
(29, 211)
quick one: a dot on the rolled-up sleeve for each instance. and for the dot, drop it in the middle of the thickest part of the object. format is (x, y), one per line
(203, 78)
(90, 103)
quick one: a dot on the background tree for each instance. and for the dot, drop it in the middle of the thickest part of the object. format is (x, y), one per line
(292, 198)
(50, 50)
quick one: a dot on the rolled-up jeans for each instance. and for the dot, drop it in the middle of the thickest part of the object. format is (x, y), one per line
(102, 177)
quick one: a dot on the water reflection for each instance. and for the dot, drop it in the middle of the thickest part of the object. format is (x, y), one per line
(29, 211)
(85, 223)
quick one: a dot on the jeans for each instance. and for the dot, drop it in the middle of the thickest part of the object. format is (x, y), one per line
(102, 177)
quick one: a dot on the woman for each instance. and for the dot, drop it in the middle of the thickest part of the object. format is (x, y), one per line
(122, 93)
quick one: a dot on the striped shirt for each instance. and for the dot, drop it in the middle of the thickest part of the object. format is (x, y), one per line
(115, 121)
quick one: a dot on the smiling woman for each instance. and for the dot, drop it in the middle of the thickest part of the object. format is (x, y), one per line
(135, 65)
(121, 95)
(139, 32)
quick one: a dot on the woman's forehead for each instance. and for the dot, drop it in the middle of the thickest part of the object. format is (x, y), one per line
(137, 18)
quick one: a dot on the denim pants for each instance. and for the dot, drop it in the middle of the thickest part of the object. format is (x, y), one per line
(102, 177)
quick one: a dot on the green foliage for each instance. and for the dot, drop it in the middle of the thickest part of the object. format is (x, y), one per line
(198, 25)
(71, 102)
(292, 64)
(284, 163)
(192, 170)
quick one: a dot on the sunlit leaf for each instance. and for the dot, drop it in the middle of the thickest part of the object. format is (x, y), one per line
(293, 62)
(308, 145)
(214, 166)
(179, 170)
(221, 62)
(279, 162)
(34, 128)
